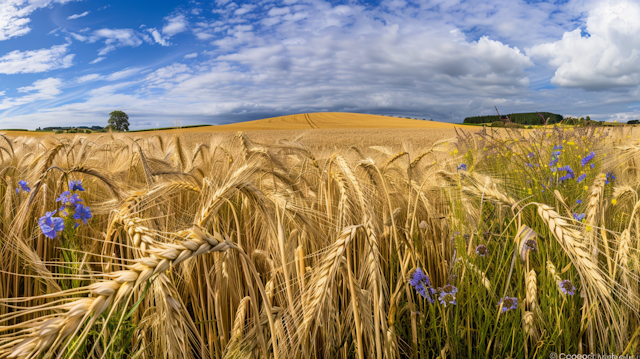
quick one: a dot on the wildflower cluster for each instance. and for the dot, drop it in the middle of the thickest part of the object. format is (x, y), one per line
(421, 283)
(71, 209)
(578, 217)
(588, 159)
(570, 173)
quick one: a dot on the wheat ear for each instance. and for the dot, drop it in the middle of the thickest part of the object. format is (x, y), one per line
(48, 333)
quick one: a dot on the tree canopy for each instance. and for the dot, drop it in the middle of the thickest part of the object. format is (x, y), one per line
(119, 121)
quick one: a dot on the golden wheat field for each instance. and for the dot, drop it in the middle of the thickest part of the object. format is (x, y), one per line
(320, 242)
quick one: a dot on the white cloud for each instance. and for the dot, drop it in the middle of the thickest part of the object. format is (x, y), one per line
(77, 16)
(88, 78)
(114, 38)
(119, 75)
(35, 61)
(191, 56)
(175, 25)
(14, 14)
(98, 59)
(39, 90)
(157, 37)
(608, 57)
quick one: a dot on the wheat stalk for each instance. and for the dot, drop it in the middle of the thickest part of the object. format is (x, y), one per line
(49, 333)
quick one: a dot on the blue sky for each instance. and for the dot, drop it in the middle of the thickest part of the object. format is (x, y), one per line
(66, 62)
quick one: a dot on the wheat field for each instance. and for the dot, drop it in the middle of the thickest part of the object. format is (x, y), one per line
(470, 244)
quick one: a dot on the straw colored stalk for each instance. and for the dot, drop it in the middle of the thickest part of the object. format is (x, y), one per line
(50, 333)
(598, 285)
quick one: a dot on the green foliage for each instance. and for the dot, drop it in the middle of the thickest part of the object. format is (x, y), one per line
(532, 118)
(633, 122)
(119, 121)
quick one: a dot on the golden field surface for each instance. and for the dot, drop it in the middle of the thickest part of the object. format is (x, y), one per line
(333, 242)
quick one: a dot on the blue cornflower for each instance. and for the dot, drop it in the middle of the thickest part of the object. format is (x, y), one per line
(557, 153)
(578, 217)
(567, 287)
(50, 226)
(529, 164)
(588, 159)
(553, 163)
(557, 147)
(592, 165)
(64, 198)
(74, 199)
(582, 177)
(421, 283)
(82, 213)
(417, 277)
(449, 289)
(570, 173)
(508, 303)
(579, 201)
(462, 167)
(76, 185)
(23, 186)
(447, 298)
(482, 250)
(46, 219)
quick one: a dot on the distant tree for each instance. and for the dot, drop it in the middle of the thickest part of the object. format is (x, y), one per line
(634, 122)
(119, 121)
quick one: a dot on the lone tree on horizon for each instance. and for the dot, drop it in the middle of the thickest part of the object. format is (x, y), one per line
(119, 121)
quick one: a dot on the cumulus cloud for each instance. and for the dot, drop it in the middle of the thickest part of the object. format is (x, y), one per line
(606, 56)
(174, 25)
(77, 16)
(39, 90)
(35, 61)
(191, 56)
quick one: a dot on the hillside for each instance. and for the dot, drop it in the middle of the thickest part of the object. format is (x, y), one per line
(326, 120)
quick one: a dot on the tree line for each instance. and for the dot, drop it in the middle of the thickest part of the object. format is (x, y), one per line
(531, 118)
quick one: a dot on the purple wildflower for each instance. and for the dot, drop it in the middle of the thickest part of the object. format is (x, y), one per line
(582, 177)
(76, 185)
(482, 250)
(447, 298)
(578, 217)
(530, 154)
(50, 226)
(421, 283)
(450, 289)
(82, 213)
(579, 201)
(462, 167)
(592, 166)
(588, 159)
(23, 186)
(567, 287)
(508, 303)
